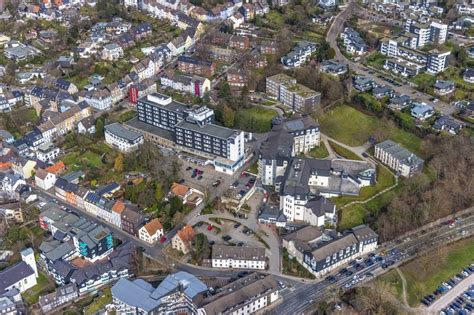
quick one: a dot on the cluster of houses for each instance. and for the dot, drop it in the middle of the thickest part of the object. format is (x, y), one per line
(299, 55)
(61, 11)
(419, 111)
(304, 184)
(407, 10)
(405, 56)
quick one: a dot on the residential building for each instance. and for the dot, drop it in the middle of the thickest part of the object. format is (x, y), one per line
(425, 33)
(353, 42)
(237, 78)
(195, 85)
(44, 179)
(17, 51)
(468, 75)
(327, 4)
(238, 257)
(285, 89)
(448, 124)
(443, 87)
(269, 47)
(175, 294)
(192, 65)
(100, 99)
(182, 240)
(25, 168)
(399, 159)
(61, 296)
(121, 138)
(248, 295)
(191, 129)
(324, 256)
(112, 52)
(333, 67)
(299, 55)
(47, 153)
(151, 232)
(86, 125)
(300, 240)
(422, 111)
(132, 220)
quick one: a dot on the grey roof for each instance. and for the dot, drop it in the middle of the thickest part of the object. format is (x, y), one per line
(271, 212)
(14, 274)
(320, 206)
(142, 295)
(399, 152)
(443, 84)
(299, 171)
(327, 249)
(72, 176)
(209, 129)
(306, 234)
(54, 250)
(363, 233)
(120, 131)
(238, 253)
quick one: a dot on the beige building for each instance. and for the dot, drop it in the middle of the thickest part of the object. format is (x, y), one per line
(182, 241)
(151, 232)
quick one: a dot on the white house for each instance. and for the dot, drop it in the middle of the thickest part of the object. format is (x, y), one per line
(21, 276)
(422, 111)
(151, 232)
(112, 52)
(47, 152)
(238, 257)
(121, 138)
(44, 179)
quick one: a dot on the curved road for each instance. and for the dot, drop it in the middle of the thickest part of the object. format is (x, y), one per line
(331, 37)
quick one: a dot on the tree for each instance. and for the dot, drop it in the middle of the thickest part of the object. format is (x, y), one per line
(228, 116)
(330, 53)
(159, 194)
(99, 127)
(118, 165)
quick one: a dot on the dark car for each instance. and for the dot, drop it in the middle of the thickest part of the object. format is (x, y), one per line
(352, 262)
(226, 238)
(236, 226)
(181, 181)
(199, 177)
(343, 271)
(240, 244)
(189, 168)
(211, 243)
(331, 279)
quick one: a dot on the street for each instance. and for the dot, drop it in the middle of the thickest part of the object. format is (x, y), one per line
(332, 36)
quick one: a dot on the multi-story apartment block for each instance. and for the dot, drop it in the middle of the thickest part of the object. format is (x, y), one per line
(324, 256)
(238, 257)
(195, 85)
(191, 129)
(398, 158)
(192, 65)
(429, 32)
(285, 89)
(122, 138)
(299, 54)
(353, 42)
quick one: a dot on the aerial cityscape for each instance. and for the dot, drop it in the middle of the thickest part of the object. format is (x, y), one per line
(209, 157)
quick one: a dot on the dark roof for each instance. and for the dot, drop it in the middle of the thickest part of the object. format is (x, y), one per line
(194, 60)
(14, 274)
(320, 206)
(298, 173)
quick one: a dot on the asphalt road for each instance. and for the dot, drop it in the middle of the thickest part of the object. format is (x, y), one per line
(302, 299)
(331, 37)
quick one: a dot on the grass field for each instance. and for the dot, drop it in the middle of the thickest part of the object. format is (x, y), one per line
(345, 153)
(320, 152)
(99, 302)
(43, 286)
(352, 127)
(354, 215)
(254, 119)
(426, 273)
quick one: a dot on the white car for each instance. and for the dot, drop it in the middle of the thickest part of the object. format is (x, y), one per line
(445, 284)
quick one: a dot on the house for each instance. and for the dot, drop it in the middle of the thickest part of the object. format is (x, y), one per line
(44, 179)
(353, 42)
(151, 232)
(6, 137)
(176, 292)
(398, 158)
(382, 91)
(363, 84)
(333, 67)
(21, 276)
(422, 111)
(182, 240)
(100, 99)
(468, 75)
(297, 242)
(23, 167)
(238, 257)
(86, 125)
(123, 139)
(299, 55)
(48, 153)
(268, 47)
(131, 220)
(192, 65)
(56, 168)
(17, 51)
(237, 78)
(61, 296)
(443, 87)
(112, 52)
(195, 85)
(448, 124)
(399, 102)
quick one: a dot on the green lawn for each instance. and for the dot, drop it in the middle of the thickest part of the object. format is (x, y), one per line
(422, 78)
(376, 60)
(43, 286)
(352, 127)
(320, 152)
(424, 277)
(345, 153)
(292, 267)
(254, 119)
(275, 18)
(253, 168)
(354, 215)
(99, 302)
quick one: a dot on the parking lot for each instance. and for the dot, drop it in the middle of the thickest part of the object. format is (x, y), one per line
(241, 186)
(455, 296)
